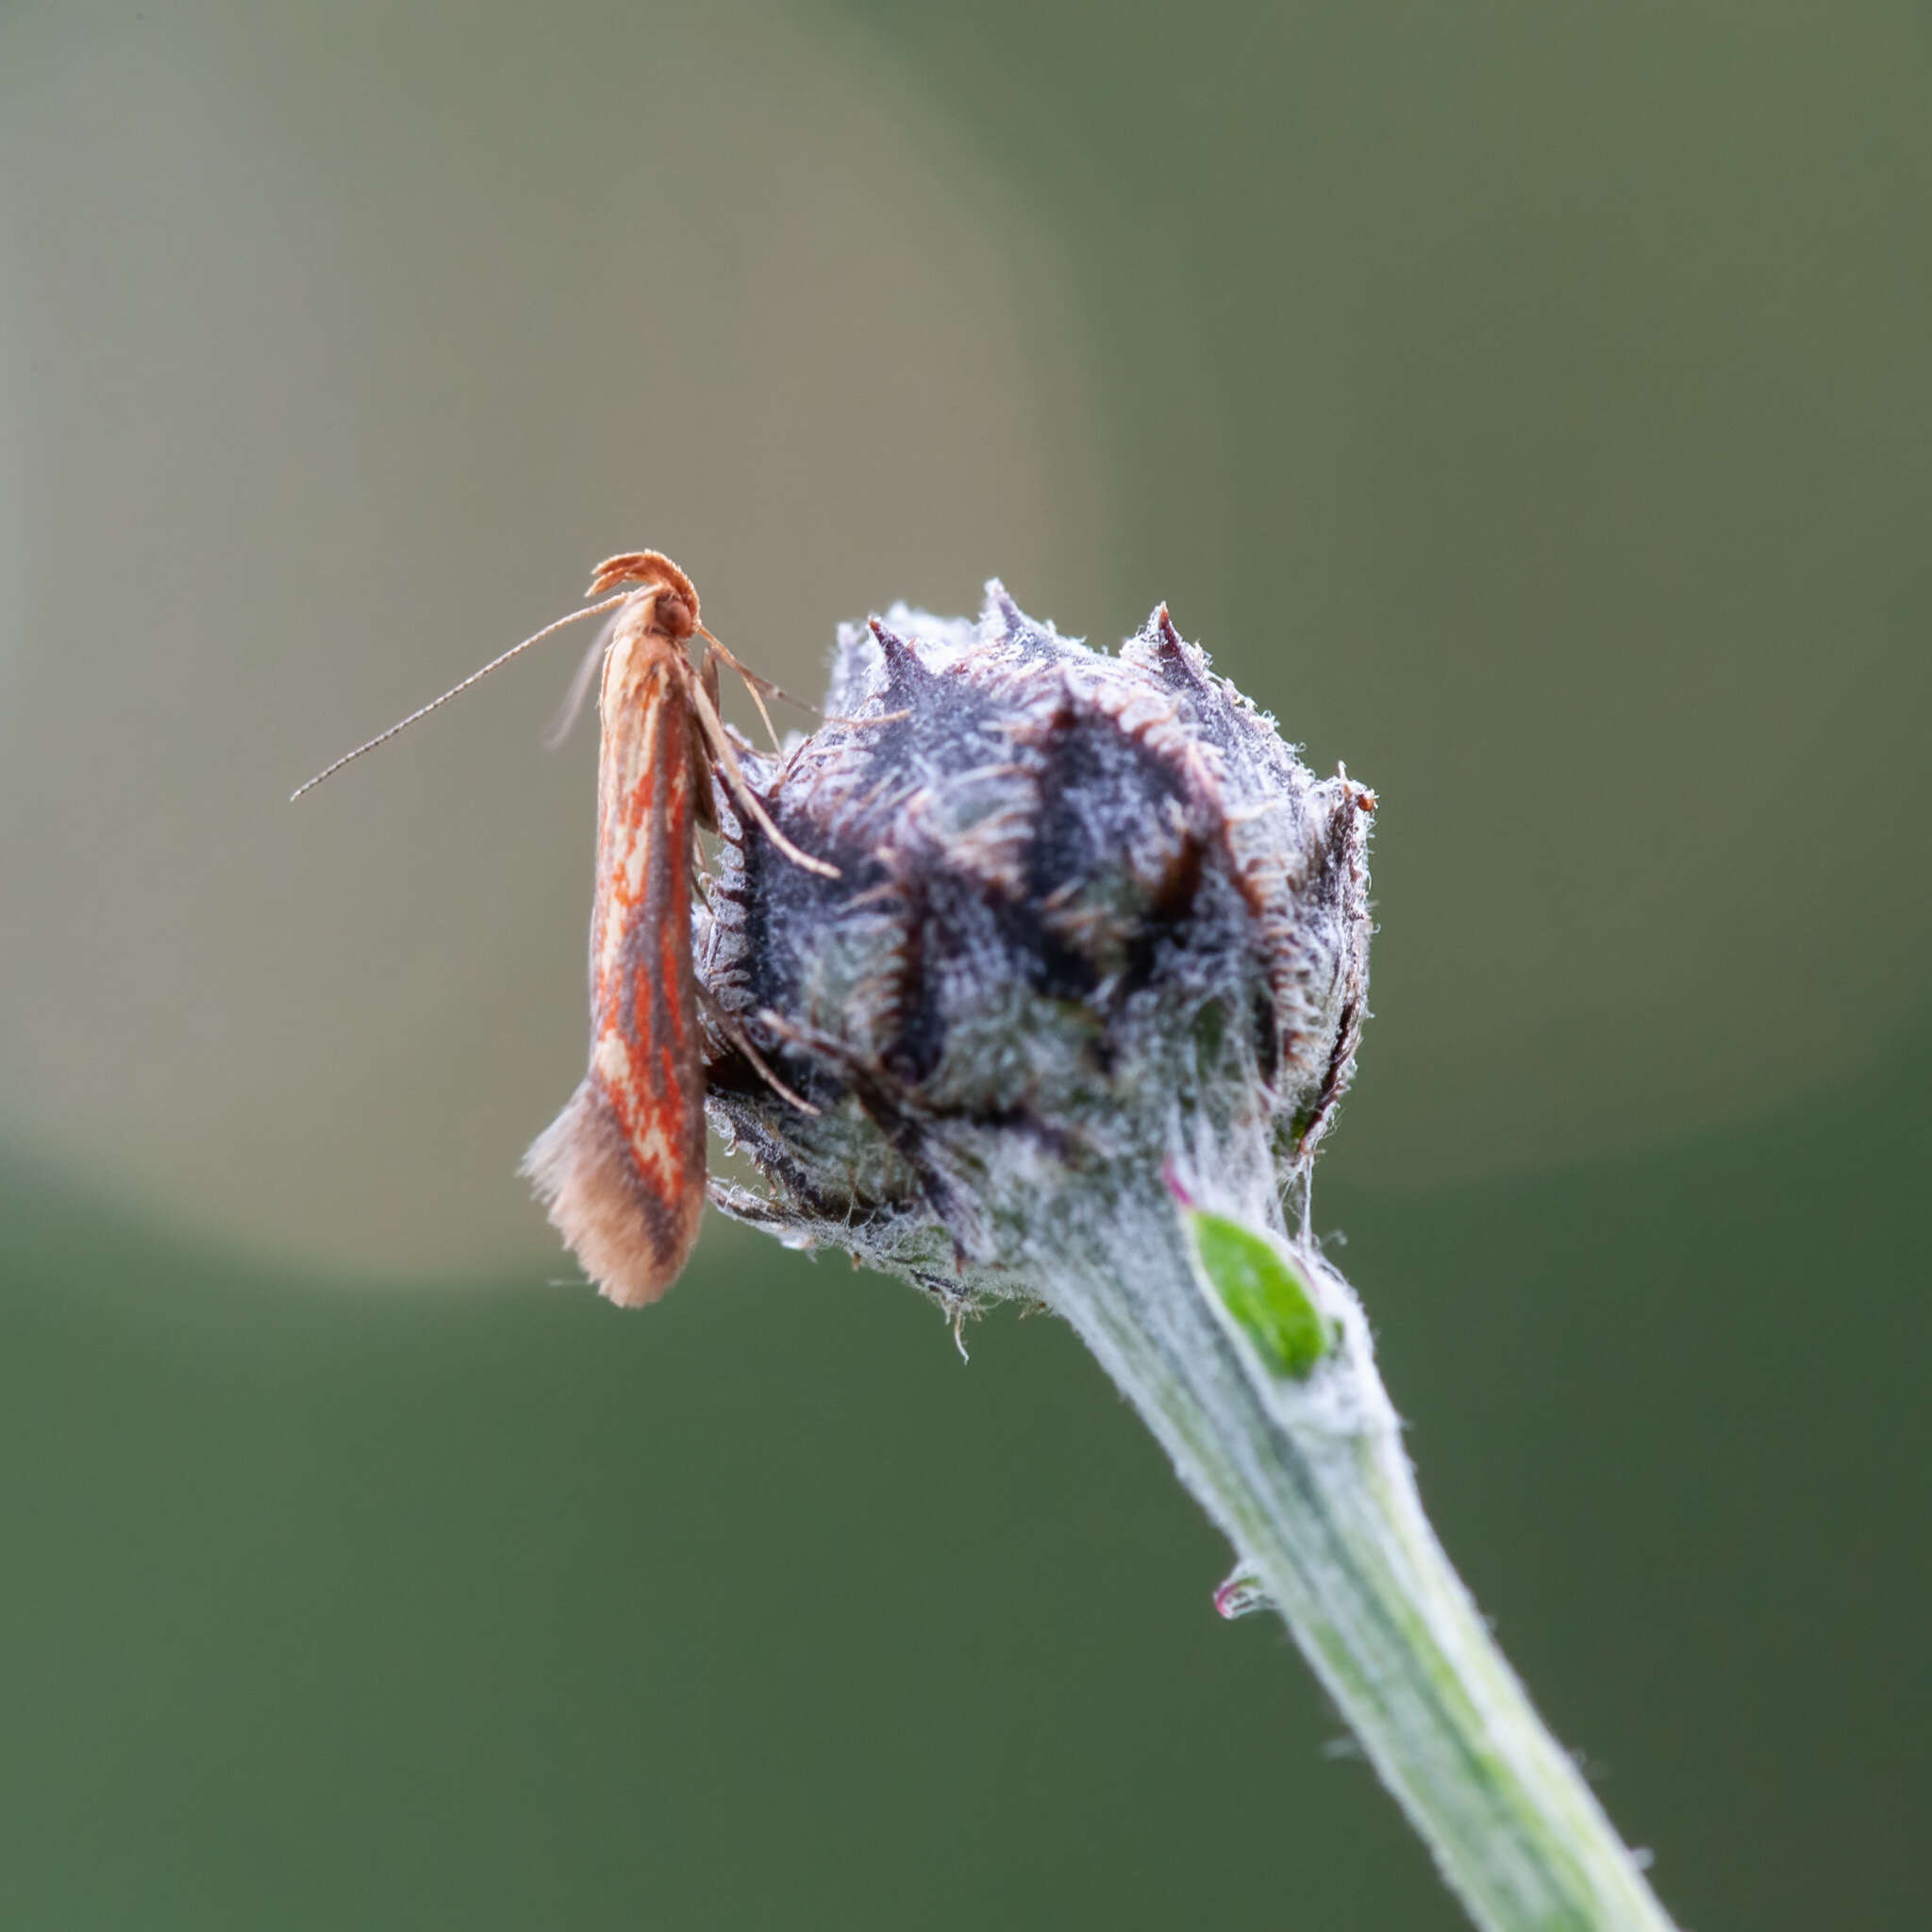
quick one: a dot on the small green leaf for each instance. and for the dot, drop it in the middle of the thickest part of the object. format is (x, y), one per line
(1261, 1289)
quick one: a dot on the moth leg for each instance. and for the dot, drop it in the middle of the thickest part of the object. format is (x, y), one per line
(734, 782)
(759, 687)
(736, 1035)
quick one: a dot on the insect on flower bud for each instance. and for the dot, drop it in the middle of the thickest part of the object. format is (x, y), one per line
(1092, 920)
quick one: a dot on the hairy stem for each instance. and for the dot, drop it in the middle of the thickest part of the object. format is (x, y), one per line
(1309, 1480)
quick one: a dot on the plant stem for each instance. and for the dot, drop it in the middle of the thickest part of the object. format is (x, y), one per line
(1309, 1480)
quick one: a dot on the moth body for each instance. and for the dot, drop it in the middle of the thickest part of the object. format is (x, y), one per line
(621, 1169)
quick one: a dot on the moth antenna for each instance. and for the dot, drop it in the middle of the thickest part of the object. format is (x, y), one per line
(713, 728)
(455, 691)
(571, 707)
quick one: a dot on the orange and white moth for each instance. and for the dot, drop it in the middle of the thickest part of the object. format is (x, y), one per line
(621, 1168)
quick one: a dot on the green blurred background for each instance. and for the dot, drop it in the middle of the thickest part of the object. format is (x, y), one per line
(1531, 404)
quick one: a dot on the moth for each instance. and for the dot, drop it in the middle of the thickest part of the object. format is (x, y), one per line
(621, 1169)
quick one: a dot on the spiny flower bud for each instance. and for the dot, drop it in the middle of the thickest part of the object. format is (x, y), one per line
(1093, 921)
(1080, 1002)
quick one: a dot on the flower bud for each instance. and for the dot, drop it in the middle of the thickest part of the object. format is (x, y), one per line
(1093, 920)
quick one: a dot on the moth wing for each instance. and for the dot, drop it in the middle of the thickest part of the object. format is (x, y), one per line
(571, 707)
(632, 1241)
(621, 1169)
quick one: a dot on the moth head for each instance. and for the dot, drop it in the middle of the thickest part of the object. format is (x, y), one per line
(676, 610)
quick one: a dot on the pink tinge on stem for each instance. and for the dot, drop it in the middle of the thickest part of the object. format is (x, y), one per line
(1240, 1593)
